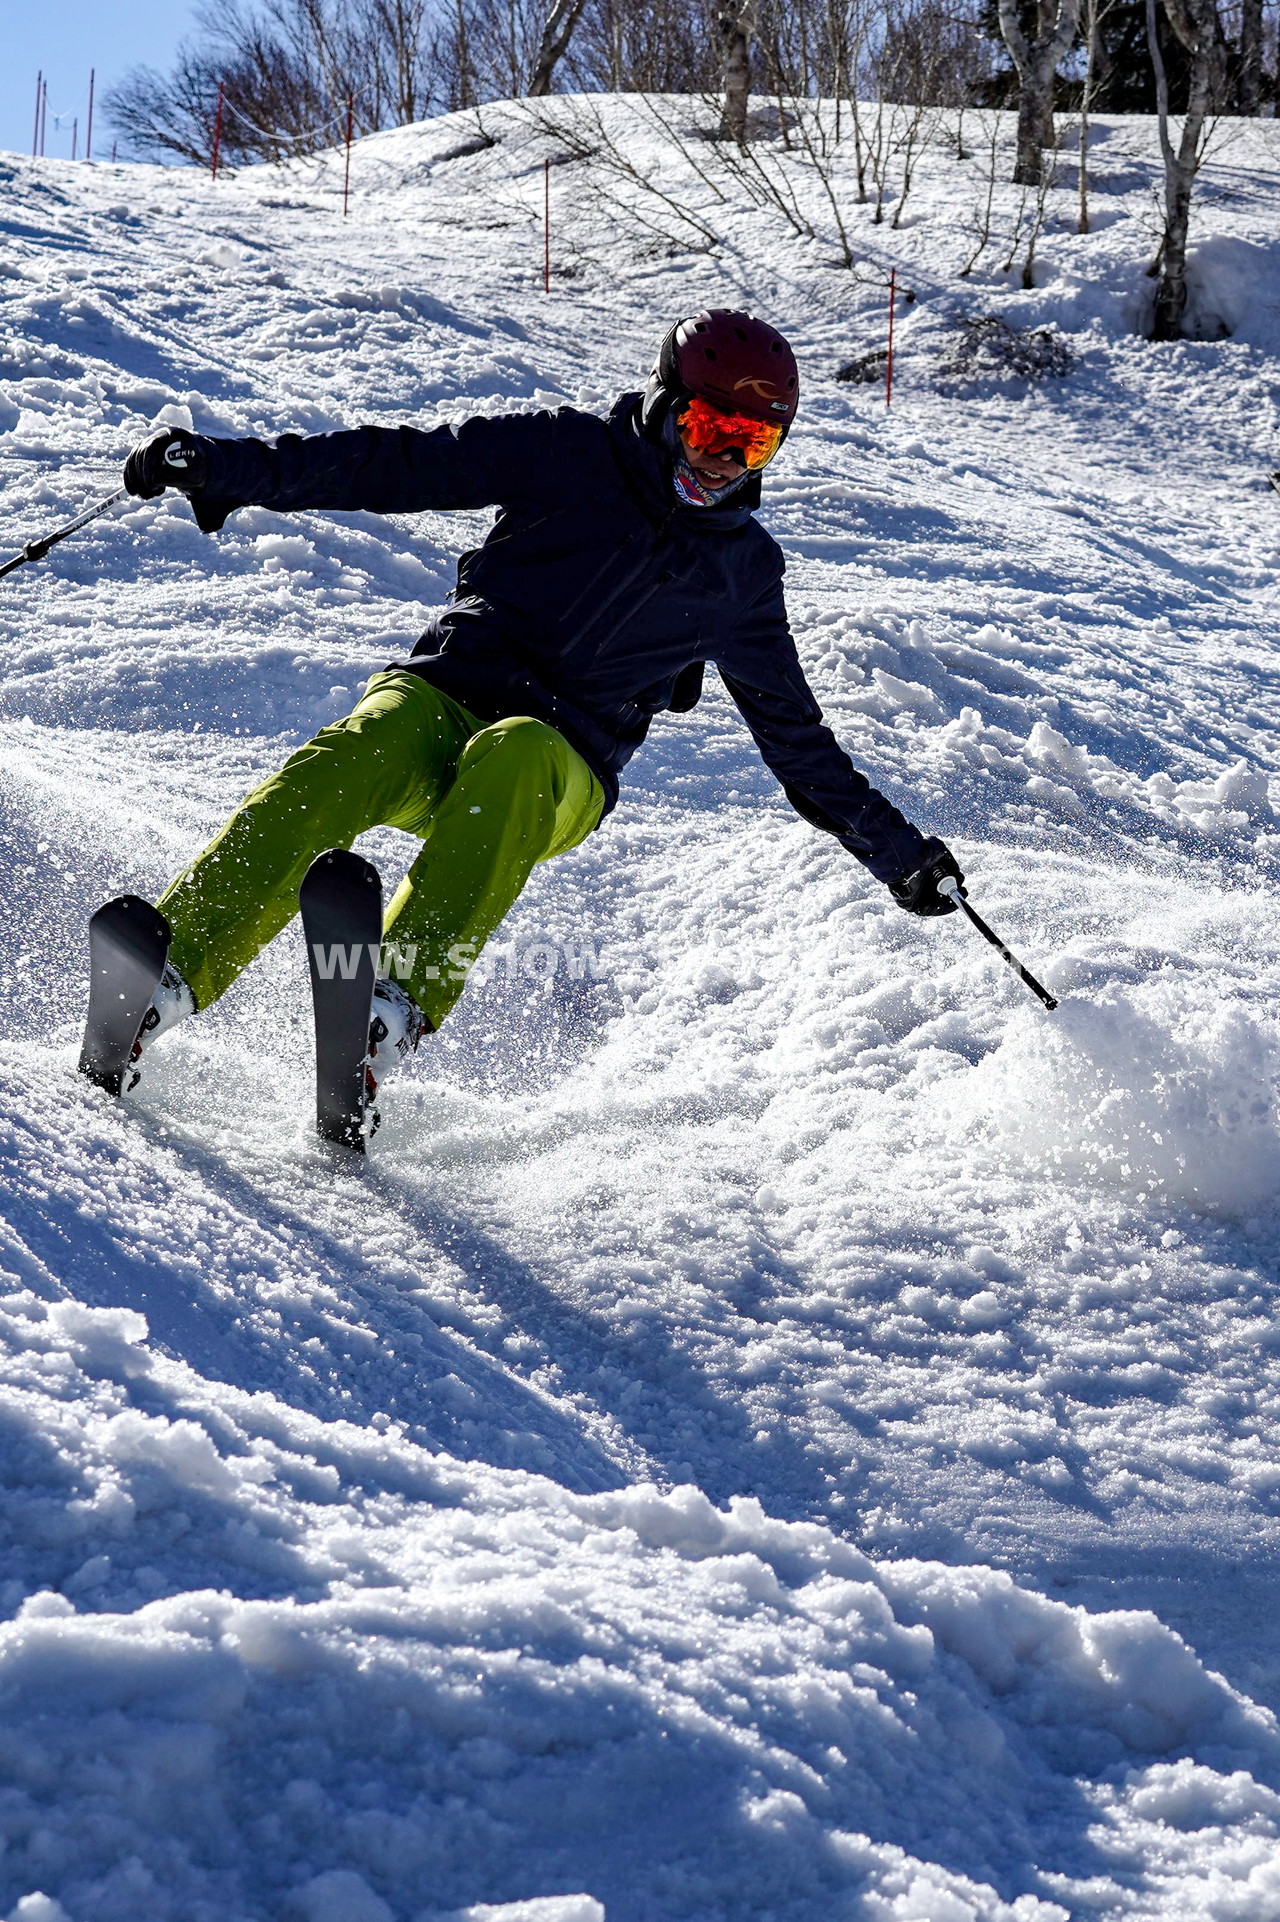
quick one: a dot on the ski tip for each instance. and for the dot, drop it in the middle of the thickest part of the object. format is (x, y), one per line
(132, 912)
(342, 865)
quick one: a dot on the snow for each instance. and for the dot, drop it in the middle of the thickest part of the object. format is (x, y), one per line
(783, 1428)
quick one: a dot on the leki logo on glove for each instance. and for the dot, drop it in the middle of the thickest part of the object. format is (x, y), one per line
(178, 454)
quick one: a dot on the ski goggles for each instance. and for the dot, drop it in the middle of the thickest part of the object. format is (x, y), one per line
(708, 430)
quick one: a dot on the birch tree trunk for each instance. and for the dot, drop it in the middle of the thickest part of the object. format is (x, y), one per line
(1035, 62)
(1086, 102)
(1250, 84)
(1198, 27)
(557, 31)
(736, 29)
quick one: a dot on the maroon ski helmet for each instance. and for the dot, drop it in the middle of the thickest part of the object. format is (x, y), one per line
(736, 362)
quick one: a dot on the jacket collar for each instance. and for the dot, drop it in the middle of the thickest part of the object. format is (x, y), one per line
(648, 470)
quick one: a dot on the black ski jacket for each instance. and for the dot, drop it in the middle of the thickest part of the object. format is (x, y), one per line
(596, 597)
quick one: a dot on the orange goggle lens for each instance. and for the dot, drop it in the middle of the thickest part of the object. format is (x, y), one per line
(709, 431)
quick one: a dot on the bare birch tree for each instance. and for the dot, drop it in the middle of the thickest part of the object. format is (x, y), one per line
(736, 28)
(557, 31)
(1199, 28)
(1095, 13)
(1036, 62)
(1251, 80)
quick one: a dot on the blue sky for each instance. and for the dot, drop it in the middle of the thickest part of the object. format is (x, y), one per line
(67, 37)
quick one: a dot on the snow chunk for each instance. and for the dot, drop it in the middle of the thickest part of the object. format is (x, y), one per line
(280, 553)
(174, 413)
(1244, 787)
(181, 1448)
(105, 1341)
(45, 1607)
(910, 694)
(1051, 749)
(1186, 1795)
(223, 253)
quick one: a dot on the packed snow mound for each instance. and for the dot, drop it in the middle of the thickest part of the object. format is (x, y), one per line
(782, 1427)
(566, 1669)
(1233, 288)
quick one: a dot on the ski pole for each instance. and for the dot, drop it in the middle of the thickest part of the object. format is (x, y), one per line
(950, 888)
(36, 550)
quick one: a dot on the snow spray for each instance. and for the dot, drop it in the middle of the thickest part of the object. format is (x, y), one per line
(1159, 1089)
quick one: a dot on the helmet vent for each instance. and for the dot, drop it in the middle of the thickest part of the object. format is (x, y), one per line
(710, 353)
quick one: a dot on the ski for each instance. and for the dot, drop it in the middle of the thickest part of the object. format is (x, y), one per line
(341, 903)
(128, 947)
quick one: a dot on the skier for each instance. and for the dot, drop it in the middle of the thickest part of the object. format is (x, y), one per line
(625, 555)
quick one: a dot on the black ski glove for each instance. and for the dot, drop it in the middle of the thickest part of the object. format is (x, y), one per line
(172, 458)
(917, 889)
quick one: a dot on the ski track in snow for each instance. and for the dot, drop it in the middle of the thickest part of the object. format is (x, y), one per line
(782, 1429)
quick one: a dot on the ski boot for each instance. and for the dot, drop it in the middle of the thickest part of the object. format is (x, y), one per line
(397, 1027)
(172, 1002)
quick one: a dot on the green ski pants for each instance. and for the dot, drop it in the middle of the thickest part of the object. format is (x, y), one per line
(488, 802)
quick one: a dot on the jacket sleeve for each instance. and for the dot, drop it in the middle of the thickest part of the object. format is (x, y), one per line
(763, 674)
(481, 462)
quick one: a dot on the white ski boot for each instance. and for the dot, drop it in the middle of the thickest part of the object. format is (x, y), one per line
(172, 1002)
(397, 1027)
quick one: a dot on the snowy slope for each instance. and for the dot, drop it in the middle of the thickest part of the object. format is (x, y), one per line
(782, 1429)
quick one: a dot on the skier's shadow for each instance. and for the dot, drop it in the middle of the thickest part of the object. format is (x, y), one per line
(360, 1346)
(447, 1390)
(682, 1427)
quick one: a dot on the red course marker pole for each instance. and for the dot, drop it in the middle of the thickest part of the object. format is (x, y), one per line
(346, 172)
(35, 131)
(546, 226)
(217, 126)
(888, 366)
(88, 132)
